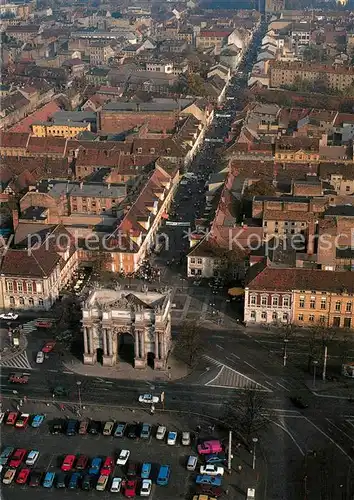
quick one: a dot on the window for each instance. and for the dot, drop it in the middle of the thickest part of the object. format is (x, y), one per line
(139, 150)
(253, 314)
(31, 302)
(286, 301)
(264, 300)
(323, 303)
(264, 315)
(275, 301)
(40, 302)
(199, 261)
(152, 150)
(274, 316)
(21, 301)
(285, 317)
(19, 287)
(312, 303)
(311, 318)
(300, 317)
(192, 260)
(253, 300)
(348, 307)
(302, 303)
(322, 319)
(347, 322)
(338, 305)
(347, 188)
(9, 286)
(12, 301)
(29, 287)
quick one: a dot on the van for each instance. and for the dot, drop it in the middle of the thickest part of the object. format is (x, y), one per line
(209, 447)
(71, 428)
(164, 475)
(102, 483)
(192, 463)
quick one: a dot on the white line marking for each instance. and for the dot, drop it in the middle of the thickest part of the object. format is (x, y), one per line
(68, 373)
(216, 376)
(328, 437)
(217, 337)
(271, 385)
(340, 430)
(53, 371)
(283, 387)
(290, 435)
(249, 364)
(235, 356)
(220, 347)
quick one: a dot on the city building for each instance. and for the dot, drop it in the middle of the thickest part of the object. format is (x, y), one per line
(67, 130)
(113, 320)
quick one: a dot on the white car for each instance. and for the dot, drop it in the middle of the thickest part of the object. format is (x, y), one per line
(172, 438)
(9, 476)
(148, 398)
(160, 433)
(2, 416)
(40, 357)
(186, 438)
(32, 457)
(9, 315)
(123, 457)
(212, 470)
(116, 485)
(145, 489)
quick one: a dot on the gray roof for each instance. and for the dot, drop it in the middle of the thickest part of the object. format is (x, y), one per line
(74, 116)
(157, 105)
(340, 210)
(91, 189)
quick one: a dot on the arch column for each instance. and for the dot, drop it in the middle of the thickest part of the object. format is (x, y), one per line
(108, 358)
(90, 355)
(140, 358)
(160, 346)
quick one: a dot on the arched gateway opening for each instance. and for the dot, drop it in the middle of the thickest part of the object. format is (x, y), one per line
(126, 351)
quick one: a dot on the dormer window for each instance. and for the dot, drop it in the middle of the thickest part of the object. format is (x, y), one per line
(152, 150)
(168, 150)
(140, 150)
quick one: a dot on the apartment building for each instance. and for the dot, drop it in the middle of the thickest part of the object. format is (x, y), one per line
(67, 130)
(99, 53)
(287, 73)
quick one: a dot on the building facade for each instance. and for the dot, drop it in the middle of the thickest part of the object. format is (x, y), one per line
(145, 316)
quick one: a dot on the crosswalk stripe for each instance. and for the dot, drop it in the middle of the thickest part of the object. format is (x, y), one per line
(20, 361)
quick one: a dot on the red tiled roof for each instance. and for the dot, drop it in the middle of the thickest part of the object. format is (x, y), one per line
(36, 264)
(46, 145)
(302, 279)
(213, 34)
(11, 140)
(41, 115)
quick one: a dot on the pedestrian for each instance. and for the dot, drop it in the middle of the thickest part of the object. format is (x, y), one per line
(152, 410)
(239, 468)
(25, 399)
(18, 407)
(21, 402)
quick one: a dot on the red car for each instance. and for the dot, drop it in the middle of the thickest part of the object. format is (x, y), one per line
(68, 463)
(23, 476)
(43, 324)
(130, 488)
(19, 378)
(22, 421)
(107, 467)
(82, 462)
(17, 457)
(48, 346)
(11, 418)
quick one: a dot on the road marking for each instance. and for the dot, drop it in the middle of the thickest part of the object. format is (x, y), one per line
(235, 356)
(329, 437)
(216, 376)
(336, 426)
(217, 337)
(249, 364)
(53, 371)
(290, 435)
(254, 368)
(68, 373)
(283, 387)
(220, 347)
(271, 385)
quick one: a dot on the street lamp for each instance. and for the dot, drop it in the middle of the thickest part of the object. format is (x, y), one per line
(78, 383)
(285, 351)
(315, 363)
(255, 441)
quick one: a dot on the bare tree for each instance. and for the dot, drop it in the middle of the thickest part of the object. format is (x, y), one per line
(320, 337)
(246, 414)
(189, 341)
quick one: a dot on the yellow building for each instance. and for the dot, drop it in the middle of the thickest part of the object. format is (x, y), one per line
(67, 130)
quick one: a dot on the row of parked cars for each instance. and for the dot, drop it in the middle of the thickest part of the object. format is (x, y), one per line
(209, 478)
(21, 420)
(72, 427)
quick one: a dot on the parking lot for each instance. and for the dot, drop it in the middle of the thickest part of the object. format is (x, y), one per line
(53, 449)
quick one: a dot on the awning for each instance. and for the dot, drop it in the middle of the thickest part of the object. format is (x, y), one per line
(236, 292)
(165, 215)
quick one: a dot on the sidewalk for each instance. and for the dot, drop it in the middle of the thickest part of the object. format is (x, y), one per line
(7, 350)
(176, 369)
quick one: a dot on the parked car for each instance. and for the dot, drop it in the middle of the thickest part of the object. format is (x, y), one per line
(186, 438)
(61, 480)
(148, 398)
(209, 447)
(220, 458)
(102, 482)
(57, 427)
(116, 485)
(95, 466)
(133, 431)
(145, 488)
(83, 427)
(160, 433)
(6, 454)
(108, 428)
(94, 427)
(130, 488)
(212, 470)
(211, 491)
(2, 416)
(48, 479)
(9, 476)
(107, 467)
(132, 469)
(17, 458)
(74, 481)
(299, 402)
(145, 431)
(11, 418)
(23, 476)
(68, 463)
(123, 457)
(32, 457)
(35, 478)
(211, 480)
(82, 462)
(48, 346)
(71, 427)
(145, 470)
(120, 429)
(37, 420)
(87, 483)
(22, 421)
(172, 438)
(40, 357)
